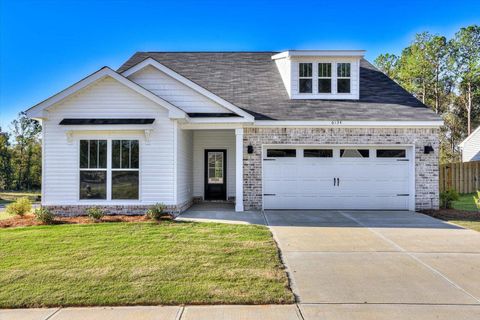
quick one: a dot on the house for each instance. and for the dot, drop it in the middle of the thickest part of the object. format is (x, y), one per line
(319, 129)
(471, 147)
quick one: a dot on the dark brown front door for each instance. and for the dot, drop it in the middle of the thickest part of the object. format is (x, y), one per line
(215, 174)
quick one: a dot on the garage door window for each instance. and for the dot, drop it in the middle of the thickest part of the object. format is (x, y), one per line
(391, 153)
(281, 153)
(318, 153)
(354, 153)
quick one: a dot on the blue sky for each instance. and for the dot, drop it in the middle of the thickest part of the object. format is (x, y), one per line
(47, 45)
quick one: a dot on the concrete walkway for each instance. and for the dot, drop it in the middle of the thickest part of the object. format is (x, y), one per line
(342, 265)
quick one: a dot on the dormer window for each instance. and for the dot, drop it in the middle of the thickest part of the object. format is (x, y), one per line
(305, 78)
(343, 77)
(324, 78)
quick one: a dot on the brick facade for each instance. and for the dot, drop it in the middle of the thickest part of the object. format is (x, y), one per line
(426, 165)
(79, 210)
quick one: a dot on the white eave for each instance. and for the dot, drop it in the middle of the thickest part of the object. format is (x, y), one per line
(319, 53)
(462, 144)
(352, 124)
(37, 111)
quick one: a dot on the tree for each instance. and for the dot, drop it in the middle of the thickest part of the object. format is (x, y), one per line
(387, 63)
(465, 53)
(26, 152)
(5, 161)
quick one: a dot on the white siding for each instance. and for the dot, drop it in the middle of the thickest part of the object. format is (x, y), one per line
(213, 139)
(107, 98)
(471, 148)
(174, 91)
(285, 69)
(184, 165)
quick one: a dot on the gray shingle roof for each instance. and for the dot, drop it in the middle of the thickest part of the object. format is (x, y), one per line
(251, 81)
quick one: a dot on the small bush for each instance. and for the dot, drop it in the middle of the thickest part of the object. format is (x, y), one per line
(157, 212)
(447, 198)
(95, 213)
(44, 215)
(20, 207)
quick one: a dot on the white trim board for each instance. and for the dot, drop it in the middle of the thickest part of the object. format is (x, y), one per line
(469, 137)
(37, 111)
(192, 85)
(344, 124)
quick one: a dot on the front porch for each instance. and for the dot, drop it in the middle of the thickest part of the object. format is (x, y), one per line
(222, 212)
(210, 168)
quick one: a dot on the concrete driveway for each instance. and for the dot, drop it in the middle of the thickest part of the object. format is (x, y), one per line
(379, 265)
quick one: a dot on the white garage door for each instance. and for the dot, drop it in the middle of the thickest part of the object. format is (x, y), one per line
(336, 178)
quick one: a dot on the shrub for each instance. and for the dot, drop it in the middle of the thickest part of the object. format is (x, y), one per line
(44, 215)
(95, 213)
(447, 198)
(20, 207)
(157, 212)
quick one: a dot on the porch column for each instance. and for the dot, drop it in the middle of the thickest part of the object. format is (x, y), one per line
(239, 169)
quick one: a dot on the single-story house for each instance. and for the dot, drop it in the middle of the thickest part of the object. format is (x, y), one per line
(319, 129)
(471, 147)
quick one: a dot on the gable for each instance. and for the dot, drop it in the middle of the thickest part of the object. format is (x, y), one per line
(107, 98)
(175, 92)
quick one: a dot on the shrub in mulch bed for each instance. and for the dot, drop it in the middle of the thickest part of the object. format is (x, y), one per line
(30, 220)
(453, 214)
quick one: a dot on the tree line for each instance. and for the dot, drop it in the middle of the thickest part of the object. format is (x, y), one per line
(21, 155)
(445, 75)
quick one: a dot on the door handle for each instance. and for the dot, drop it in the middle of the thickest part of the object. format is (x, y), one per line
(334, 182)
(338, 182)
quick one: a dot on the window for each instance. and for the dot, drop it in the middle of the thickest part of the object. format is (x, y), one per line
(317, 153)
(305, 78)
(93, 169)
(324, 78)
(391, 153)
(281, 153)
(354, 153)
(124, 169)
(343, 77)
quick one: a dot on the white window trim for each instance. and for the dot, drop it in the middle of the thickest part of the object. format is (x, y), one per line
(312, 77)
(337, 77)
(109, 170)
(332, 64)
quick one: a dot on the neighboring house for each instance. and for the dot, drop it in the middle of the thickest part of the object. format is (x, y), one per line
(471, 147)
(268, 130)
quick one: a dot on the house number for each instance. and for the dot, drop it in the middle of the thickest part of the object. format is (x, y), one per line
(336, 122)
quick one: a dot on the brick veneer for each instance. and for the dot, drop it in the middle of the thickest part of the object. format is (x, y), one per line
(78, 210)
(426, 165)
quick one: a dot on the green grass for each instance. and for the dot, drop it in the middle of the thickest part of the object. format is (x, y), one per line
(7, 197)
(140, 263)
(474, 225)
(465, 203)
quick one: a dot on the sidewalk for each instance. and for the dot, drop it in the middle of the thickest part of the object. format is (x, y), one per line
(225, 312)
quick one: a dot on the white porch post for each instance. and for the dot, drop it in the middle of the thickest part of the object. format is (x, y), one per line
(239, 169)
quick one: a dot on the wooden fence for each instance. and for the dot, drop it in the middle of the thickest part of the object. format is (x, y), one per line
(464, 177)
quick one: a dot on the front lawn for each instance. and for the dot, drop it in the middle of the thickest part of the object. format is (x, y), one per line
(7, 197)
(471, 224)
(465, 203)
(140, 263)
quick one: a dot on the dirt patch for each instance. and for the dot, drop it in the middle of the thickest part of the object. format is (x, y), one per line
(453, 214)
(29, 220)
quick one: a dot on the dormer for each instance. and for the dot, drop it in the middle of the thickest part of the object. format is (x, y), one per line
(320, 74)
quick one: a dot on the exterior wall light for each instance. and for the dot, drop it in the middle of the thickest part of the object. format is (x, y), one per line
(250, 149)
(427, 149)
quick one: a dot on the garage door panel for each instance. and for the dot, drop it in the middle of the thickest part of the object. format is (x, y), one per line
(364, 183)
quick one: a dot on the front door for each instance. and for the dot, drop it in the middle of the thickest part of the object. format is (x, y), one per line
(215, 174)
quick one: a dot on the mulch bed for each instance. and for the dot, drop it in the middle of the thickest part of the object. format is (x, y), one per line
(29, 220)
(453, 214)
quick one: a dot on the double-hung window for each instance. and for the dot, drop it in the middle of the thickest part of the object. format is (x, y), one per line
(305, 78)
(124, 169)
(93, 169)
(324, 78)
(343, 77)
(122, 174)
